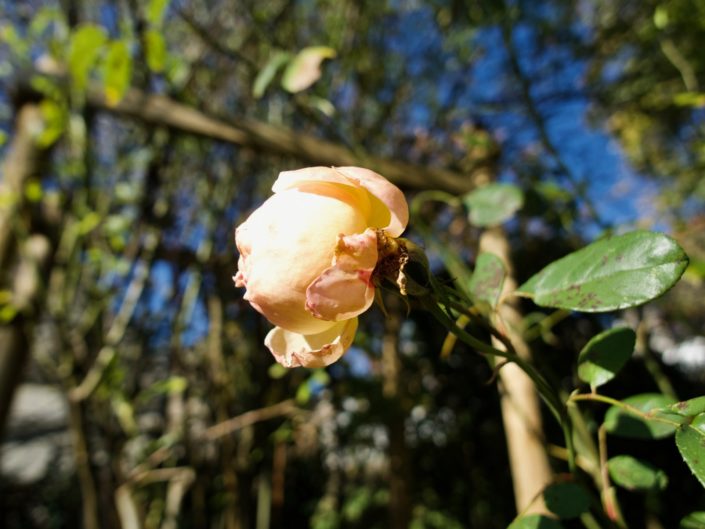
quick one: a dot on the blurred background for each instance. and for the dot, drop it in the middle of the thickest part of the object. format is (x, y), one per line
(135, 390)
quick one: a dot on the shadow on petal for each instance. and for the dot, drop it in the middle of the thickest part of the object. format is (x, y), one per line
(345, 289)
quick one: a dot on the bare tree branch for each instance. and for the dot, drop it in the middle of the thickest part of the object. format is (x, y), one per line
(163, 111)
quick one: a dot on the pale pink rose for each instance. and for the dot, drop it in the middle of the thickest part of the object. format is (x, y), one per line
(307, 256)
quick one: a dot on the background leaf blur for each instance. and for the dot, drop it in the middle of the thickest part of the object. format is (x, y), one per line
(138, 134)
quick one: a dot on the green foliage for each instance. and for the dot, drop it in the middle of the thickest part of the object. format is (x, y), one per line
(316, 380)
(627, 423)
(605, 355)
(610, 274)
(267, 73)
(493, 204)
(535, 521)
(55, 117)
(170, 386)
(657, 91)
(156, 9)
(690, 440)
(689, 408)
(117, 71)
(155, 50)
(33, 191)
(433, 519)
(487, 279)
(566, 500)
(11, 38)
(85, 46)
(695, 520)
(46, 17)
(634, 474)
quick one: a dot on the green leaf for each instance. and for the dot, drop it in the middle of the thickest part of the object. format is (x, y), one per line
(305, 68)
(661, 17)
(156, 11)
(493, 204)
(610, 274)
(117, 71)
(55, 119)
(303, 393)
(689, 99)
(277, 371)
(266, 74)
(88, 223)
(623, 423)
(690, 440)
(7, 313)
(324, 106)
(535, 521)
(695, 520)
(45, 17)
(10, 37)
(487, 279)
(605, 354)
(634, 474)
(33, 190)
(171, 386)
(155, 50)
(689, 408)
(566, 500)
(85, 45)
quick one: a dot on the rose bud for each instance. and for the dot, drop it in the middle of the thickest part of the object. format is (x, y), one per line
(307, 256)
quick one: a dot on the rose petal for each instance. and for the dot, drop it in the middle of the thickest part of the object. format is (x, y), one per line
(389, 210)
(345, 289)
(325, 182)
(290, 179)
(391, 197)
(291, 349)
(285, 245)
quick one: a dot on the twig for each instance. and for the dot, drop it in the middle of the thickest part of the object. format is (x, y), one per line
(676, 58)
(119, 325)
(647, 416)
(83, 467)
(287, 407)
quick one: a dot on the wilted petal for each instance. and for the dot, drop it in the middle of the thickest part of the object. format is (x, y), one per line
(305, 68)
(291, 349)
(345, 289)
(391, 213)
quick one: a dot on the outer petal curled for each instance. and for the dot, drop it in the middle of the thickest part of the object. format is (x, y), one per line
(314, 350)
(345, 289)
(389, 194)
(389, 210)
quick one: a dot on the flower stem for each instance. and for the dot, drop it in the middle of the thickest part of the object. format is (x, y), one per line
(551, 399)
(646, 415)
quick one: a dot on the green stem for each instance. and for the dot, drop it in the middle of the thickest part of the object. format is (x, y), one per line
(567, 427)
(647, 416)
(544, 388)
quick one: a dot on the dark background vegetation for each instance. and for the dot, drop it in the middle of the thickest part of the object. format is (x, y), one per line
(593, 107)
